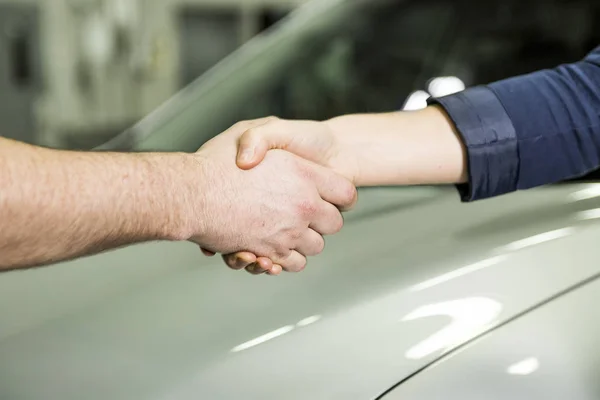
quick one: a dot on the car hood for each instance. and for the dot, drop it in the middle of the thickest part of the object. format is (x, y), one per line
(550, 354)
(414, 274)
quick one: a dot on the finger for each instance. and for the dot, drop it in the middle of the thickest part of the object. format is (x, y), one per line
(253, 270)
(257, 141)
(236, 130)
(294, 262)
(242, 126)
(261, 266)
(332, 187)
(312, 243)
(207, 253)
(328, 220)
(239, 260)
(264, 263)
(275, 270)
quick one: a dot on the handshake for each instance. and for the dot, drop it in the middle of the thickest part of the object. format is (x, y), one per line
(271, 189)
(263, 193)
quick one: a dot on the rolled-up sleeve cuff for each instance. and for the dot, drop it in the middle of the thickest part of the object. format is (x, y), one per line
(490, 139)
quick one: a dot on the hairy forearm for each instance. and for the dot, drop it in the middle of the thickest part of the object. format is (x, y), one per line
(403, 148)
(57, 205)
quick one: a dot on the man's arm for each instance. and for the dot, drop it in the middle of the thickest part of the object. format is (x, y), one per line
(57, 205)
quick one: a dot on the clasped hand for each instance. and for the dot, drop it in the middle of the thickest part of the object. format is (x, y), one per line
(279, 203)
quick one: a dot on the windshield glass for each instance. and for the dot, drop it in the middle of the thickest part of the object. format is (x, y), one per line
(340, 57)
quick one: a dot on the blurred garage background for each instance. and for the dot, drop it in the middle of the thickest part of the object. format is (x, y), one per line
(74, 73)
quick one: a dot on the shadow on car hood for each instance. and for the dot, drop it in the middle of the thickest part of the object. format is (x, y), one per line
(413, 275)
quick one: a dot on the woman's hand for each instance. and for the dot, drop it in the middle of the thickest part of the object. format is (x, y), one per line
(315, 141)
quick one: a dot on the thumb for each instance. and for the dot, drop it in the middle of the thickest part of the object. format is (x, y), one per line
(252, 149)
(257, 141)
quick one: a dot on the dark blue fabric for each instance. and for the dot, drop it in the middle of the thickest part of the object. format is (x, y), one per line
(529, 130)
(490, 139)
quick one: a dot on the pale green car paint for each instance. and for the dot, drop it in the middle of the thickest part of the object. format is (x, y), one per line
(413, 276)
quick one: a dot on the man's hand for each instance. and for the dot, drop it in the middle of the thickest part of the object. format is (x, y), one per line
(59, 205)
(276, 211)
(311, 140)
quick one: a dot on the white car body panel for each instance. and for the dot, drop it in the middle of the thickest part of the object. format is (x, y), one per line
(391, 294)
(413, 276)
(551, 354)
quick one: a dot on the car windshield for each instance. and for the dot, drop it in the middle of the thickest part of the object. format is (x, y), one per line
(337, 57)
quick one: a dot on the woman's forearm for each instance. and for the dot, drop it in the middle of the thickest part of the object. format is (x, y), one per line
(403, 148)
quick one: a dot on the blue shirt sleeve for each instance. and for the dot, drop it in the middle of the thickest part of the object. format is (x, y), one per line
(529, 130)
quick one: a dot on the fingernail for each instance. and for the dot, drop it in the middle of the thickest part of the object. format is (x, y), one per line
(240, 262)
(246, 154)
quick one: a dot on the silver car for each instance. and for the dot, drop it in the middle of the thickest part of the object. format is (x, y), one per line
(419, 297)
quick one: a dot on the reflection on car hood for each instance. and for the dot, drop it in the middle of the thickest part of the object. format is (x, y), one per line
(413, 274)
(523, 359)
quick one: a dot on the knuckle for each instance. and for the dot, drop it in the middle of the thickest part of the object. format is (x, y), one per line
(347, 193)
(281, 253)
(306, 173)
(294, 236)
(303, 172)
(252, 131)
(350, 193)
(338, 224)
(301, 266)
(320, 245)
(307, 208)
(240, 125)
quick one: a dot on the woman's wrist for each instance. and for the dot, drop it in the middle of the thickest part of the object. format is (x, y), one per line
(438, 142)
